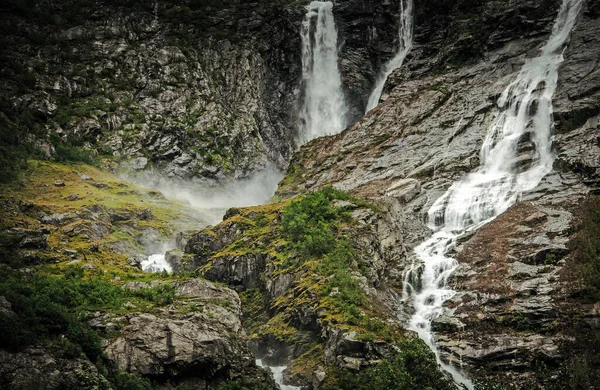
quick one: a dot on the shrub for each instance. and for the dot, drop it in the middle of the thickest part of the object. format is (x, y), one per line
(125, 381)
(309, 223)
(162, 295)
(414, 367)
(586, 249)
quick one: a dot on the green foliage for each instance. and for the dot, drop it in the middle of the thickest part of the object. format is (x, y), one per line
(44, 308)
(309, 222)
(48, 306)
(72, 150)
(413, 368)
(14, 144)
(586, 249)
(244, 384)
(126, 381)
(162, 295)
(335, 266)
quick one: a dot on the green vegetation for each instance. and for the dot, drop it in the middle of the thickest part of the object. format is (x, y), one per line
(309, 223)
(586, 250)
(47, 306)
(243, 384)
(413, 368)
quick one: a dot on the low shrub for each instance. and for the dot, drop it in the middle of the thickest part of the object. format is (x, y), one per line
(414, 367)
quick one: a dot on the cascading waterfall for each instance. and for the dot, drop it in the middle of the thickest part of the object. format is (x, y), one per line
(405, 33)
(324, 109)
(515, 156)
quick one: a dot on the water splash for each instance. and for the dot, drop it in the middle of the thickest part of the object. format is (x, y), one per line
(156, 263)
(324, 108)
(515, 156)
(277, 375)
(405, 33)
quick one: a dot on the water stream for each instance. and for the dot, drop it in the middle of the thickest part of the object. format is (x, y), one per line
(405, 33)
(515, 156)
(324, 108)
(277, 372)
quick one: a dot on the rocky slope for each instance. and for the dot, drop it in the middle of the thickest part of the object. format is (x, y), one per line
(510, 319)
(77, 312)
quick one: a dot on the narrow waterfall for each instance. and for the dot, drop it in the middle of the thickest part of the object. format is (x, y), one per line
(515, 156)
(405, 33)
(324, 109)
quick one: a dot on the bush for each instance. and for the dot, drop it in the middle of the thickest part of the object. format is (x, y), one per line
(586, 249)
(162, 295)
(243, 384)
(125, 381)
(413, 368)
(309, 223)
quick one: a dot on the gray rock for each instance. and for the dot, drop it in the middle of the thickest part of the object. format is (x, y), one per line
(73, 197)
(138, 163)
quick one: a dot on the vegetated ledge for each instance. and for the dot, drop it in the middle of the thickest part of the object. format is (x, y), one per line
(311, 276)
(77, 312)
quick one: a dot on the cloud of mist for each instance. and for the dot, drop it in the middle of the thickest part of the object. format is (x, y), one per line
(210, 199)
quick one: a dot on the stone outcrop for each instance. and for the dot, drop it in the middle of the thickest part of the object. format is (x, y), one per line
(285, 310)
(199, 339)
(42, 368)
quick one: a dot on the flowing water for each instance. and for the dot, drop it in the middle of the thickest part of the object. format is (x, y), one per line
(405, 33)
(156, 263)
(515, 156)
(324, 108)
(277, 375)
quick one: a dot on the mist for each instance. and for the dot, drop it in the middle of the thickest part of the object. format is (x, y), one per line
(212, 199)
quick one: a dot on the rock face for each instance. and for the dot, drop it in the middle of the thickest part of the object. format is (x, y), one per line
(203, 92)
(199, 339)
(286, 309)
(40, 368)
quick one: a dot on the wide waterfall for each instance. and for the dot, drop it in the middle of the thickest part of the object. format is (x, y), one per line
(324, 109)
(515, 156)
(405, 33)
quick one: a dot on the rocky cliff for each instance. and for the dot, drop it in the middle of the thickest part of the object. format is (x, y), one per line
(183, 90)
(314, 279)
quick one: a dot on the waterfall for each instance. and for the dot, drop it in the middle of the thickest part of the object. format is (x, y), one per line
(324, 109)
(405, 33)
(515, 156)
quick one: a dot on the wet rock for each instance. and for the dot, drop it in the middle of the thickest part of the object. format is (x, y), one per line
(318, 377)
(84, 177)
(59, 183)
(175, 258)
(139, 163)
(405, 190)
(447, 323)
(41, 368)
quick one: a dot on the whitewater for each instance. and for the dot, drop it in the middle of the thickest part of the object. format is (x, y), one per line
(525, 110)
